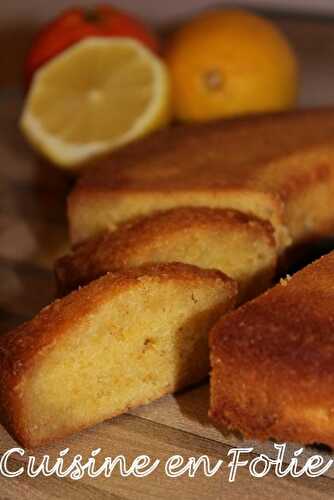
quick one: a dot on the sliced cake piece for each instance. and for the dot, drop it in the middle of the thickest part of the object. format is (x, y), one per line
(278, 167)
(273, 361)
(241, 246)
(121, 341)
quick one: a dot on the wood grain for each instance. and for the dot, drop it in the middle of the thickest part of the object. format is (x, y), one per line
(32, 234)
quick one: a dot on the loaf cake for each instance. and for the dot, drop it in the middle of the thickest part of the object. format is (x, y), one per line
(240, 245)
(121, 341)
(273, 361)
(278, 167)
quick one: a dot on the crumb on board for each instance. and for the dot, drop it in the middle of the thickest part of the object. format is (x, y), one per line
(284, 281)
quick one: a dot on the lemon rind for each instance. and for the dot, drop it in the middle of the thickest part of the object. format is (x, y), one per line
(72, 156)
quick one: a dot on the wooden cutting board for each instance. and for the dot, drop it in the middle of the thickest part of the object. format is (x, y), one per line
(32, 234)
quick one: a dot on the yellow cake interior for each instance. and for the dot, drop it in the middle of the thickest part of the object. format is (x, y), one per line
(150, 339)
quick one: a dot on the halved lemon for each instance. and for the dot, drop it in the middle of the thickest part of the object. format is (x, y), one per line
(94, 97)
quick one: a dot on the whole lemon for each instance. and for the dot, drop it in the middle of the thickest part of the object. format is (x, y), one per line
(230, 62)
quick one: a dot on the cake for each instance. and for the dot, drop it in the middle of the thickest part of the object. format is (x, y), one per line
(273, 361)
(278, 167)
(121, 341)
(240, 245)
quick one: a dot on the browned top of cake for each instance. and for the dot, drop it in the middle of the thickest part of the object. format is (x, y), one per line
(288, 331)
(19, 346)
(225, 154)
(163, 224)
(112, 250)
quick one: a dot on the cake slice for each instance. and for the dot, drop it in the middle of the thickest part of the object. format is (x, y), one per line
(278, 167)
(273, 361)
(241, 246)
(121, 341)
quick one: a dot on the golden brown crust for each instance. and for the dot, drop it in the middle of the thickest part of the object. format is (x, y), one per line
(272, 361)
(113, 250)
(226, 153)
(21, 347)
(266, 162)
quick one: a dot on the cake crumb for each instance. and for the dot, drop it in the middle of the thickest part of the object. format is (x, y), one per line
(284, 281)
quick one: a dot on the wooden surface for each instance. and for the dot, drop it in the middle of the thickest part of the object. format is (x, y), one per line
(33, 233)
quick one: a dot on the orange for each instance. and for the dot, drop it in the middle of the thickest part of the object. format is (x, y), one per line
(230, 62)
(78, 23)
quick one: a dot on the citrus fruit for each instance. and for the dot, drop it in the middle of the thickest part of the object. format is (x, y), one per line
(230, 62)
(75, 24)
(94, 97)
